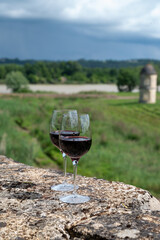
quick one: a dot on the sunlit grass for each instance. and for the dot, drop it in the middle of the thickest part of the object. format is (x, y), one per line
(126, 137)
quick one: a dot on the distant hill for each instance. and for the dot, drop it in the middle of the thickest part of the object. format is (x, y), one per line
(15, 61)
(89, 63)
(116, 64)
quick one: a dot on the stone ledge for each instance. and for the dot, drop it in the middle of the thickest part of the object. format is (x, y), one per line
(29, 209)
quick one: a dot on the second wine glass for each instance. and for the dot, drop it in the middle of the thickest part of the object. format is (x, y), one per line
(55, 128)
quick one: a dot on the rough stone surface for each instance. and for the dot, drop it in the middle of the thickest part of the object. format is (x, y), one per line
(29, 209)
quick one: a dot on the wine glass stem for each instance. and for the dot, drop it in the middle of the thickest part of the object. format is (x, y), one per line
(75, 163)
(64, 166)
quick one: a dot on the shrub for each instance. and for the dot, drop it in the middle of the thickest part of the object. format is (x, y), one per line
(126, 80)
(16, 81)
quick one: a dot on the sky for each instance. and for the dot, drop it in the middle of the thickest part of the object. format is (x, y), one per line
(76, 29)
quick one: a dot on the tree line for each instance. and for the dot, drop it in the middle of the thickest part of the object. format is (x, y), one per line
(60, 72)
(74, 72)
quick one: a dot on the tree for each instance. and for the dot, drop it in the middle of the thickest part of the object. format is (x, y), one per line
(79, 77)
(2, 72)
(126, 80)
(16, 81)
(70, 67)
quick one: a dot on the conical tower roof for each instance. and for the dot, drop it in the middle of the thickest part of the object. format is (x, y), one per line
(148, 69)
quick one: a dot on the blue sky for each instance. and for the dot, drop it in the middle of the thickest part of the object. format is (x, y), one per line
(74, 29)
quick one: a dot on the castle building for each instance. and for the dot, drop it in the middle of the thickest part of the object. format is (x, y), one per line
(148, 84)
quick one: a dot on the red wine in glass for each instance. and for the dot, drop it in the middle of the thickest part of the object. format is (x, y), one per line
(75, 146)
(55, 136)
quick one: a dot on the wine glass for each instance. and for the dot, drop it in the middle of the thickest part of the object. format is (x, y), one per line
(75, 147)
(55, 128)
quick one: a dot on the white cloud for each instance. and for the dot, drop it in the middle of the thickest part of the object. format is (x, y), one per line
(125, 16)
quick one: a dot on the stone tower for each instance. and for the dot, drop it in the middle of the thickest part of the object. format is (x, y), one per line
(148, 84)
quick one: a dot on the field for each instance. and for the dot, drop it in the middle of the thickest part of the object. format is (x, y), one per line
(126, 136)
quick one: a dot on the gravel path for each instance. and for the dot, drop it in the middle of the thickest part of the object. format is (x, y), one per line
(68, 89)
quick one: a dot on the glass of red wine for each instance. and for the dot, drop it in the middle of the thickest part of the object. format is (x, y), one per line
(75, 147)
(55, 128)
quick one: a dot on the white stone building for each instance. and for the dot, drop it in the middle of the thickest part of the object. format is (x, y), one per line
(148, 84)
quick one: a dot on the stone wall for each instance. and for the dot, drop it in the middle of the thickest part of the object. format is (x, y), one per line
(29, 209)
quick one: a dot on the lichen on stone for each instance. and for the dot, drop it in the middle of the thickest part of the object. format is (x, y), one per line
(29, 209)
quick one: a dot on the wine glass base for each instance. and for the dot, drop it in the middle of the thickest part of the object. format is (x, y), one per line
(64, 187)
(74, 199)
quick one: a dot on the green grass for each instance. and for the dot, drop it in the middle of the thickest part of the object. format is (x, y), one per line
(126, 137)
